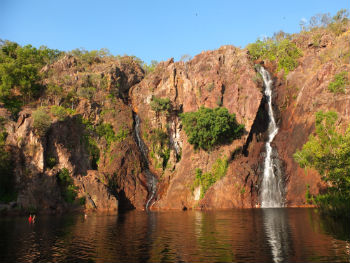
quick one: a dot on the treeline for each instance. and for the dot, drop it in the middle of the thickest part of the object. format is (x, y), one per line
(282, 48)
(21, 72)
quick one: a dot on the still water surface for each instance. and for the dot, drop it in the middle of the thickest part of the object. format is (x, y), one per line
(250, 235)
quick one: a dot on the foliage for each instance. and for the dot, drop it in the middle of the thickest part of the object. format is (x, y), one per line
(185, 58)
(42, 121)
(329, 153)
(205, 180)
(20, 72)
(279, 49)
(106, 131)
(336, 24)
(7, 184)
(86, 92)
(89, 57)
(66, 183)
(89, 141)
(70, 100)
(339, 82)
(160, 104)
(59, 112)
(54, 91)
(207, 128)
(151, 67)
(308, 196)
(160, 145)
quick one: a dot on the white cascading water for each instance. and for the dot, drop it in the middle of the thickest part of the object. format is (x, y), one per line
(151, 179)
(272, 193)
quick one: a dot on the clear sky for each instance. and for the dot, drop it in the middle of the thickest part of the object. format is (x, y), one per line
(153, 29)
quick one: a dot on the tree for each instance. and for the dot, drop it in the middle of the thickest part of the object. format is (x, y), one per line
(329, 153)
(42, 122)
(207, 128)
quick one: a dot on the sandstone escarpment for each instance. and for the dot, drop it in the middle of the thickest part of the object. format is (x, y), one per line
(104, 170)
(224, 77)
(300, 95)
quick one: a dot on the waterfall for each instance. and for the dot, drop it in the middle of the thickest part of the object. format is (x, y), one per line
(272, 185)
(151, 179)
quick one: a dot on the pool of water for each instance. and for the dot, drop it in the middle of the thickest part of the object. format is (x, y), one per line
(249, 235)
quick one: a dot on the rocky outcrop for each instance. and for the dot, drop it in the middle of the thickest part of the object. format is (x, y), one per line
(111, 172)
(224, 77)
(299, 96)
(116, 177)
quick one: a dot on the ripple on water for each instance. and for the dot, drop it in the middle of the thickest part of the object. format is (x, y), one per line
(250, 235)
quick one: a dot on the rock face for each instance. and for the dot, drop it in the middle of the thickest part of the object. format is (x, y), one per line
(299, 97)
(116, 177)
(224, 77)
(96, 141)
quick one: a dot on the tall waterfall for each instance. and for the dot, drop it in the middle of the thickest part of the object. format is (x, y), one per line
(151, 179)
(272, 186)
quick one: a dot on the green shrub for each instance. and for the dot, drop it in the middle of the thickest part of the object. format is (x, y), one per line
(122, 134)
(329, 153)
(54, 91)
(149, 68)
(20, 71)
(59, 112)
(160, 104)
(339, 82)
(106, 131)
(42, 121)
(205, 180)
(308, 197)
(86, 93)
(282, 50)
(339, 22)
(160, 145)
(66, 183)
(207, 128)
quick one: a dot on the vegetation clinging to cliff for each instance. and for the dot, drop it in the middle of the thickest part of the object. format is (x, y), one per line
(205, 180)
(280, 49)
(329, 153)
(207, 128)
(339, 82)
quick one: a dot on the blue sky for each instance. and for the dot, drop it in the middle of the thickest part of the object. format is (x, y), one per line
(153, 29)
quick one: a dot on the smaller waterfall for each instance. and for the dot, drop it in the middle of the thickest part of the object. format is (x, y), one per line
(272, 186)
(151, 179)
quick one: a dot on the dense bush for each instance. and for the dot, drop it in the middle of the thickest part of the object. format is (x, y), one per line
(89, 57)
(282, 50)
(329, 153)
(66, 183)
(42, 121)
(339, 82)
(59, 112)
(205, 180)
(149, 68)
(106, 131)
(207, 128)
(160, 145)
(160, 104)
(20, 72)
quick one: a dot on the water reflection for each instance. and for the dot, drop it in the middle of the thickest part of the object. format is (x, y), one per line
(277, 232)
(251, 235)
